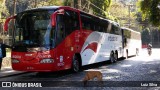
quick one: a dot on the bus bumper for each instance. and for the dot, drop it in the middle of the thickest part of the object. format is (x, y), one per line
(37, 67)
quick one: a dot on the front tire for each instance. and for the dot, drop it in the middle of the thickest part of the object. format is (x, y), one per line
(149, 52)
(112, 57)
(75, 64)
(137, 52)
(126, 54)
(116, 57)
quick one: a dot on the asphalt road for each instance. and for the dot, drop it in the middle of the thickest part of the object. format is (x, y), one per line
(130, 73)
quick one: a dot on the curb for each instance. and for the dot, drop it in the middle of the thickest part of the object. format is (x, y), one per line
(4, 76)
(9, 72)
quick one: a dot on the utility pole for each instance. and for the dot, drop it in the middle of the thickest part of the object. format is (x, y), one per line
(3, 4)
(14, 7)
(129, 13)
(73, 4)
(14, 12)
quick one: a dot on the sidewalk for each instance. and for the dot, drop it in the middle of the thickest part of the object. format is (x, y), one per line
(6, 72)
(6, 69)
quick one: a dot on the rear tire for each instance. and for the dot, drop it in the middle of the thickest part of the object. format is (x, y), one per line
(149, 52)
(116, 57)
(75, 64)
(126, 54)
(112, 57)
(137, 52)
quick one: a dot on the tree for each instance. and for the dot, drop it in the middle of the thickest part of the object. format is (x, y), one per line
(96, 7)
(150, 10)
(3, 15)
(102, 4)
(22, 5)
(146, 36)
(49, 3)
(125, 13)
(3, 9)
(68, 2)
(116, 10)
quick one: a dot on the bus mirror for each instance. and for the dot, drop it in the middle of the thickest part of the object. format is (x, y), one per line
(53, 16)
(53, 19)
(7, 22)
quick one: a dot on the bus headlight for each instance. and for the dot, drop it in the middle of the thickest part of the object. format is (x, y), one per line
(15, 61)
(47, 60)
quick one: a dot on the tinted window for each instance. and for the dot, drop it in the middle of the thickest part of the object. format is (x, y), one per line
(33, 28)
(115, 29)
(93, 23)
(87, 22)
(71, 21)
(127, 33)
(66, 24)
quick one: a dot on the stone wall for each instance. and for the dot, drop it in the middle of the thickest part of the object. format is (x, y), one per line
(6, 63)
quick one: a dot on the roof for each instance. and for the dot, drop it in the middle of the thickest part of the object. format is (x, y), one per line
(129, 29)
(43, 8)
(48, 7)
(56, 7)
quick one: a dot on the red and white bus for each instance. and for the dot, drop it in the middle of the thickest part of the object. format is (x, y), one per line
(131, 42)
(56, 38)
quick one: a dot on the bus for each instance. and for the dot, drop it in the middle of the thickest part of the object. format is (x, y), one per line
(131, 42)
(55, 38)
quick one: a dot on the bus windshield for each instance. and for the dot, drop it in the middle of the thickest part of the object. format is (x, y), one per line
(33, 29)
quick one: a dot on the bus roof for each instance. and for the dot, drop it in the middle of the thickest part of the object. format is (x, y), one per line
(129, 29)
(44, 8)
(48, 7)
(113, 22)
(57, 7)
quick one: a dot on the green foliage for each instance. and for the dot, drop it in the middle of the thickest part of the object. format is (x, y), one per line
(22, 5)
(102, 4)
(3, 10)
(68, 2)
(98, 7)
(145, 36)
(53, 2)
(150, 10)
(145, 6)
(155, 13)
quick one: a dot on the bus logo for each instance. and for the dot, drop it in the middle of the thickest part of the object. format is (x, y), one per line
(6, 84)
(28, 54)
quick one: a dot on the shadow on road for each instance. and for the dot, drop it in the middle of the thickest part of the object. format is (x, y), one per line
(68, 72)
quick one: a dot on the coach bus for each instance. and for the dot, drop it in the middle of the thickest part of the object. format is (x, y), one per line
(56, 38)
(131, 42)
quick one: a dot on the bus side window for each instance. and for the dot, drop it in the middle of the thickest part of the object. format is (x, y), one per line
(60, 29)
(71, 21)
(109, 29)
(115, 30)
(125, 41)
(86, 24)
(112, 29)
(52, 37)
(118, 30)
(106, 26)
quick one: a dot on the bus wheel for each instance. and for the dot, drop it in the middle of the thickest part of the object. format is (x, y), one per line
(75, 64)
(137, 52)
(112, 57)
(126, 54)
(116, 57)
